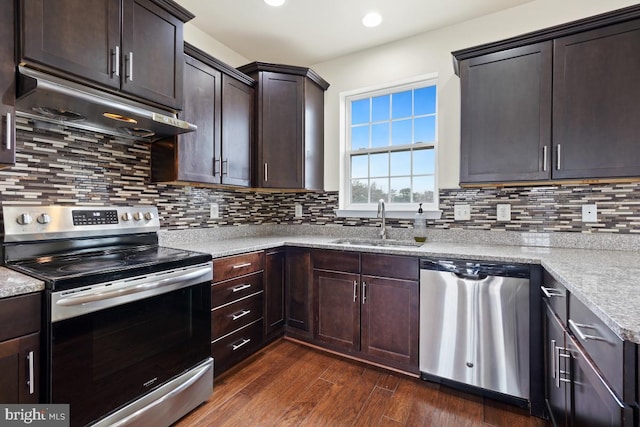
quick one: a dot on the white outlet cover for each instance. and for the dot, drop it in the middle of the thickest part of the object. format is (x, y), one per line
(214, 211)
(298, 210)
(462, 212)
(503, 212)
(589, 213)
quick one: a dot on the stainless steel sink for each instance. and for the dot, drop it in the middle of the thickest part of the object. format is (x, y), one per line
(377, 242)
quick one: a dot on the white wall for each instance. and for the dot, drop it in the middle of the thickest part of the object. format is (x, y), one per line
(431, 52)
(213, 47)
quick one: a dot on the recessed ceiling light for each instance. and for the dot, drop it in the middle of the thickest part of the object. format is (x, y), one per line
(372, 19)
(274, 3)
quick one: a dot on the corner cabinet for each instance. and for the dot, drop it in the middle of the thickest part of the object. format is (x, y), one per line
(367, 305)
(7, 85)
(20, 349)
(274, 288)
(557, 104)
(290, 126)
(220, 101)
(133, 46)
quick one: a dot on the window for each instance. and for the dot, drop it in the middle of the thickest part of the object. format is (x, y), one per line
(390, 137)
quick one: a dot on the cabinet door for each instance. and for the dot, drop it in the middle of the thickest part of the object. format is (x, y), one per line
(594, 403)
(281, 143)
(152, 49)
(199, 152)
(506, 115)
(557, 390)
(390, 321)
(7, 85)
(596, 114)
(237, 131)
(19, 369)
(299, 293)
(77, 37)
(274, 268)
(337, 309)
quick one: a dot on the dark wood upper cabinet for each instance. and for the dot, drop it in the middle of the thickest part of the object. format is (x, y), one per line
(290, 127)
(506, 115)
(130, 45)
(596, 113)
(220, 101)
(7, 85)
(556, 104)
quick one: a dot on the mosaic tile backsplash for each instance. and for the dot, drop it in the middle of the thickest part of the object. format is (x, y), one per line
(58, 165)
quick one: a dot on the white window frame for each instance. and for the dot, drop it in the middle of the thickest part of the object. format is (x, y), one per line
(394, 210)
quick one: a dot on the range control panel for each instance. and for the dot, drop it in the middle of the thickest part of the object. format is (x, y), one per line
(22, 223)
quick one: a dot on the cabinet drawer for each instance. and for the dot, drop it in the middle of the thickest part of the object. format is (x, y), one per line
(348, 262)
(555, 295)
(231, 290)
(239, 265)
(601, 344)
(398, 267)
(19, 315)
(231, 349)
(230, 317)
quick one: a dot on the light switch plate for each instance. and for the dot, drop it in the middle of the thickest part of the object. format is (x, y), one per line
(462, 212)
(298, 210)
(503, 212)
(214, 211)
(589, 213)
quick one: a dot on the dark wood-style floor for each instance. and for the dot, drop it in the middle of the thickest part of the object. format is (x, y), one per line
(288, 384)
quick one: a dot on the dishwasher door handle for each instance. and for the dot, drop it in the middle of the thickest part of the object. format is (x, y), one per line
(470, 276)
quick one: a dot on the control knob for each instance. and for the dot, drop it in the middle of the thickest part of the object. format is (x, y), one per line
(137, 216)
(148, 216)
(24, 219)
(44, 218)
(126, 216)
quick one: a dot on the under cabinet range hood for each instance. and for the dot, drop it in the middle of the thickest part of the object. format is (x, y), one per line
(45, 97)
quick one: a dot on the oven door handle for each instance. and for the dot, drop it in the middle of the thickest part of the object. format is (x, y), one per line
(144, 287)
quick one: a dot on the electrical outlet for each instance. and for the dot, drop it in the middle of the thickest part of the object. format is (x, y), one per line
(462, 212)
(298, 210)
(589, 213)
(503, 212)
(214, 211)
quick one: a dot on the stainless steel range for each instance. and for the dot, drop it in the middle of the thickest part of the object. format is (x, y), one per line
(126, 339)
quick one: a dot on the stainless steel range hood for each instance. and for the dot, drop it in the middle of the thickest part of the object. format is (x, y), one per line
(49, 98)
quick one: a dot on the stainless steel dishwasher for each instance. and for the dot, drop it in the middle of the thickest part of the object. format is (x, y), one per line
(474, 325)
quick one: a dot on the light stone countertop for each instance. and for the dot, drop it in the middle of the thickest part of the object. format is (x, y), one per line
(606, 281)
(13, 283)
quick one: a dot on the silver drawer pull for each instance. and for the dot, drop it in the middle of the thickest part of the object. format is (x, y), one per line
(584, 337)
(240, 288)
(246, 264)
(355, 290)
(244, 342)
(240, 315)
(8, 136)
(551, 292)
(544, 158)
(31, 381)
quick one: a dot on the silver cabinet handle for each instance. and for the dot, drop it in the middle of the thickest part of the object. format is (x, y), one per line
(558, 152)
(223, 171)
(553, 359)
(364, 292)
(215, 166)
(551, 292)
(116, 61)
(130, 67)
(584, 337)
(9, 134)
(560, 372)
(266, 172)
(244, 342)
(246, 264)
(544, 158)
(240, 315)
(31, 380)
(355, 290)
(240, 288)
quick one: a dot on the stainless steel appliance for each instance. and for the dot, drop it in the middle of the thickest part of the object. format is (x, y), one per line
(127, 322)
(474, 325)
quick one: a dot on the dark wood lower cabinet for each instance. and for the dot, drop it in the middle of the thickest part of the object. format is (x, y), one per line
(20, 369)
(274, 275)
(298, 293)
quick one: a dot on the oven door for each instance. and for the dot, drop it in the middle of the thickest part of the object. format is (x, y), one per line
(136, 335)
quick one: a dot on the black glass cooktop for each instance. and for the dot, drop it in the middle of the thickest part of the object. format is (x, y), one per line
(73, 270)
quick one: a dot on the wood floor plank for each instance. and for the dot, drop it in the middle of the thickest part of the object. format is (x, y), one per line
(289, 384)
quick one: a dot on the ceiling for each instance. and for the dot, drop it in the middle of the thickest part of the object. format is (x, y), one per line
(307, 32)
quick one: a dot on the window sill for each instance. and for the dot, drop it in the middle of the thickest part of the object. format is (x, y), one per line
(351, 213)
